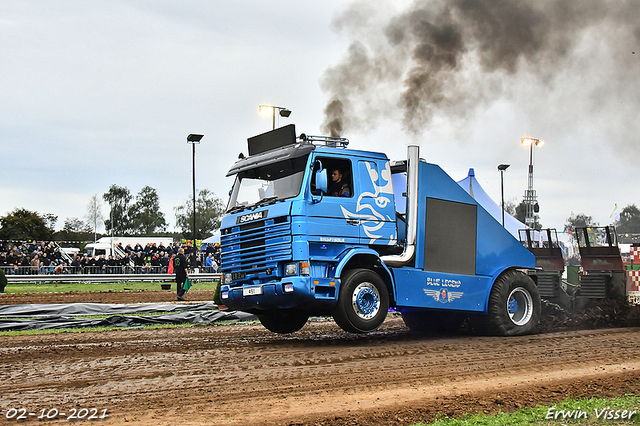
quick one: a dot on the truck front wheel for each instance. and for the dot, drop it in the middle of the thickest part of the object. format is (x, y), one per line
(363, 301)
(514, 305)
(284, 321)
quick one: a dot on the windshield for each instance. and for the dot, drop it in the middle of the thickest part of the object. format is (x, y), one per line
(267, 184)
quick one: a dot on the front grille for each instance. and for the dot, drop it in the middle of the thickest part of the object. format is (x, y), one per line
(254, 247)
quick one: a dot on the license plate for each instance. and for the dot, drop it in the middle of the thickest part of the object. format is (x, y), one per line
(251, 291)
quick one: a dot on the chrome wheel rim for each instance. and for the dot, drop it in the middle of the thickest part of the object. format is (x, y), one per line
(366, 300)
(520, 306)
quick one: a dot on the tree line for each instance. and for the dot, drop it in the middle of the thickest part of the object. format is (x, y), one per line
(126, 216)
(141, 215)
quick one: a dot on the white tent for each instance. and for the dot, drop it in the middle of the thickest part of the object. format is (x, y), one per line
(472, 186)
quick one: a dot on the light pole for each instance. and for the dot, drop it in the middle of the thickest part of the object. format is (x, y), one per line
(194, 139)
(530, 197)
(502, 168)
(282, 111)
(111, 223)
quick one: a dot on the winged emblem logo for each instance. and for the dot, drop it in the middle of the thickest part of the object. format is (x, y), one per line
(443, 295)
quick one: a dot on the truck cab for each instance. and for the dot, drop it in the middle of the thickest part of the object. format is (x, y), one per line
(405, 235)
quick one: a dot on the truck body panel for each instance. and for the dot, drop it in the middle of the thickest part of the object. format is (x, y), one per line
(436, 290)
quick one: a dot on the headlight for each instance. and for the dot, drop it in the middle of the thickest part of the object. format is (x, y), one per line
(291, 269)
(224, 295)
(288, 287)
(304, 268)
(227, 279)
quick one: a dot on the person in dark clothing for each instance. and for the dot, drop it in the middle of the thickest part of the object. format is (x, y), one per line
(339, 188)
(164, 262)
(155, 264)
(75, 265)
(23, 267)
(91, 264)
(180, 269)
(125, 264)
(216, 253)
(112, 264)
(101, 264)
(84, 264)
(140, 263)
(10, 261)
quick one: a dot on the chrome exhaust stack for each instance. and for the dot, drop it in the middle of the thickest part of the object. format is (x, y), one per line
(413, 159)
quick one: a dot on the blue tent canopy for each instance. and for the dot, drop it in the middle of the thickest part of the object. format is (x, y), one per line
(214, 239)
(472, 186)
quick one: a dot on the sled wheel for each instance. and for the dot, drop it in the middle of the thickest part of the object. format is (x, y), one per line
(514, 305)
(363, 301)
(283, 322)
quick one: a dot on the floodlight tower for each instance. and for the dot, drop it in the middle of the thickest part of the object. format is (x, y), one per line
(530, 197)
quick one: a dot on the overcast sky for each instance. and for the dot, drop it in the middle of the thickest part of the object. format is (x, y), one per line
(95, 93)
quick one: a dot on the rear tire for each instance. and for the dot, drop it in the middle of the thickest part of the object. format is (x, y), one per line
(363, 301)
(284, 321)
(514, 305)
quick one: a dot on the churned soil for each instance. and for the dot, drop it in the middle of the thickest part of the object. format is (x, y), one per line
(241, 374)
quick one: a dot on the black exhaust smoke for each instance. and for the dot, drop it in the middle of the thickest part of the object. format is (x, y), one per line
(451, 56)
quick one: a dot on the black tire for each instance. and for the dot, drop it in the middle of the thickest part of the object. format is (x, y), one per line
(433, 322)
(284, 321)
(363, 301)
(514, 305)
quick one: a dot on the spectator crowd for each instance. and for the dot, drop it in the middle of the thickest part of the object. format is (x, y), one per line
(47, 257)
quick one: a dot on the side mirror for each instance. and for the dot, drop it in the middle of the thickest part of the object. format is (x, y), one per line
(321, 181)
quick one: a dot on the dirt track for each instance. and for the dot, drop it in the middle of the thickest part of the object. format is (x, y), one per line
(243, 375)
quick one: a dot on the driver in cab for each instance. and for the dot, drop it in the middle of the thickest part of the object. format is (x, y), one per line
(339, 188)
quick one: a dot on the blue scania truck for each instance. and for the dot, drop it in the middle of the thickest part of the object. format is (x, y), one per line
(406, 237)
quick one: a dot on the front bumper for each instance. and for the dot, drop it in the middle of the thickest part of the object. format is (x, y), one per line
(299, 292)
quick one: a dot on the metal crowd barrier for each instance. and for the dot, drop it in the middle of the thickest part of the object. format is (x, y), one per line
(66, 269)
(107, 278)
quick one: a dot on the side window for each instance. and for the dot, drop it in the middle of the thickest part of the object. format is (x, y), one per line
(339, 175)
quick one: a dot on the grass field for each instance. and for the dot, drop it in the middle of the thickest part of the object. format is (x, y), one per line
(624, 410)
